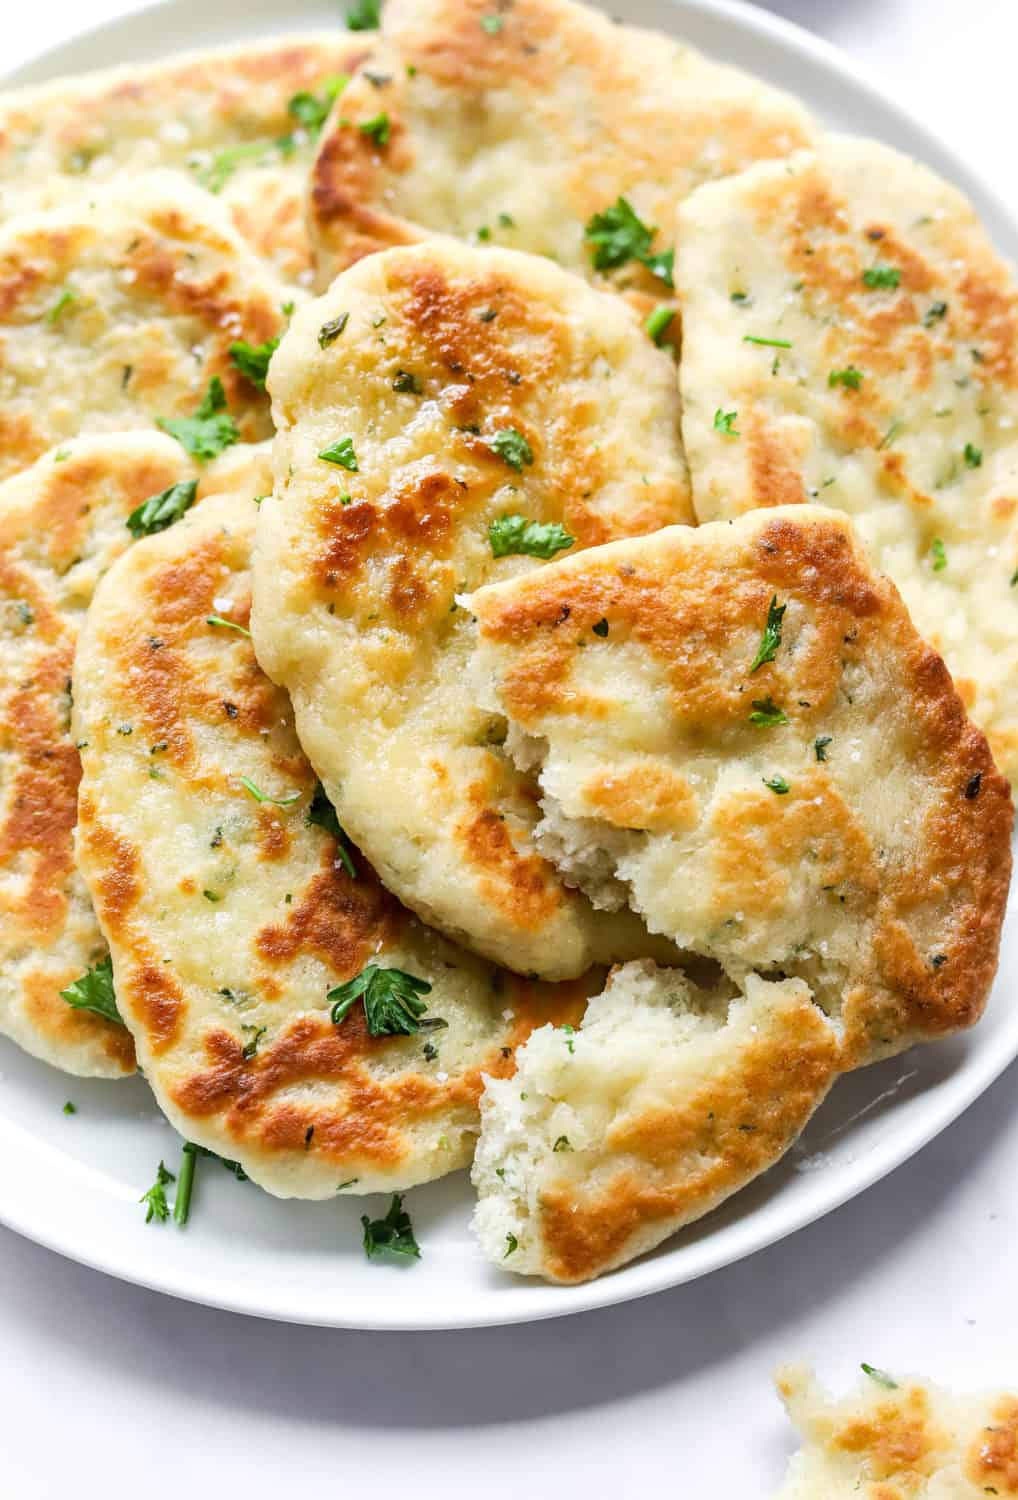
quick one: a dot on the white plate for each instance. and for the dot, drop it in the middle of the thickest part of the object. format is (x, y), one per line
(73, 1182)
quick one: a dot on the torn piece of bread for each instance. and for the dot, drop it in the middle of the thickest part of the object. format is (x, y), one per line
(240, 120)
(850, 334)
(446, 417)
(898, 1439)
(667, 1099)
(118, 310)
(738, 732)
(520, 125)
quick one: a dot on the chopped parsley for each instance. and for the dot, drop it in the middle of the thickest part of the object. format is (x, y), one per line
(850, 377)
(160, 511)
(562, 1144)
(777, 784)
(393, 1235)
(820, 746)
(934, 313)
(250, 1047)
(751, 338)
(618, 235)
(392, 1003)
(329, 332)
(94, 992)
(322, 814)
(516, 536)
(766, 713)
(312, 110)
(600, 628)
(724, 422)
(212, 896)
(217, 173)
(880, 1376)
(972, 786)
(60, 306)
(770, 640)
(210, 430)
(261, 796)
(341, 453)
(882, 277)
(939, 554)
(227, 624)
(492, 24)
(512, 447)
(366, 15)
(973, 456)
(659, 321)
(231, 1166)
(70, 1109)
(156, 1206)
(377, 128)
(407, 383)
(512, 1243)
(252, 360)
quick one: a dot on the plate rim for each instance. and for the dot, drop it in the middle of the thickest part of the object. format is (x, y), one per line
(528, 1300)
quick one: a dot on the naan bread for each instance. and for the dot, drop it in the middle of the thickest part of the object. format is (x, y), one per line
(454, 388)
(118, 310)
(519, 123)
(668, 1099)
(63, 522)
(222, 116)
(897, 400)
(737, 731)
(230, 916)
(897, 1439)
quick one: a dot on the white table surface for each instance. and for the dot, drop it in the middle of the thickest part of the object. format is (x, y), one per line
(108, 1391)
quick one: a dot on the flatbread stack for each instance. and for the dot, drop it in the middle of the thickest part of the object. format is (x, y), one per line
(469, 719)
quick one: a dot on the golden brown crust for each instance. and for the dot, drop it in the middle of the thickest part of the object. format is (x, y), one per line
(526, 89)
(930, 898)
(250, 918)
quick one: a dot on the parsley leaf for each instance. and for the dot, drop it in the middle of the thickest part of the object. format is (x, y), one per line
(973, 456)
(210, 430)
(724, 422)
(366, 15)
(312, 110)
(934, 313)
(341, 453)
(94, 992)
(600, 627)
(491, 24)
(850, 377)
(820, 746)
(252, 360)
(160, 511)
(516, 536)
(392, 1004)
(70, 1108)
(659, 321)
(619, 235)
(771, 638)
(562, 1144)
(777, 784)
(766, 713)
(393, 1235)
(513, 448)
(407, 383)
(155, 1199)
(330, 331)
(261, 796)
(377, 128)
(880, 1376)
(512, 1243)
(221, 168)
(250, 1047)
(886, 277)
(939, 554)
(322, 814)
(231, 1166)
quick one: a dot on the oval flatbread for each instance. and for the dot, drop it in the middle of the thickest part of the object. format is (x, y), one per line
(119, 311)
(445, 417)
(233, 908)
(851, 336)
(739, 732)
(63, 522)
(242, 121)
(523, 126)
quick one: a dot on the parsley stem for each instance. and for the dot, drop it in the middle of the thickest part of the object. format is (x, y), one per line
(185, 1184)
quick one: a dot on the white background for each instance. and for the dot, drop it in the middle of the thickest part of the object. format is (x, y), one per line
(107, 1390)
